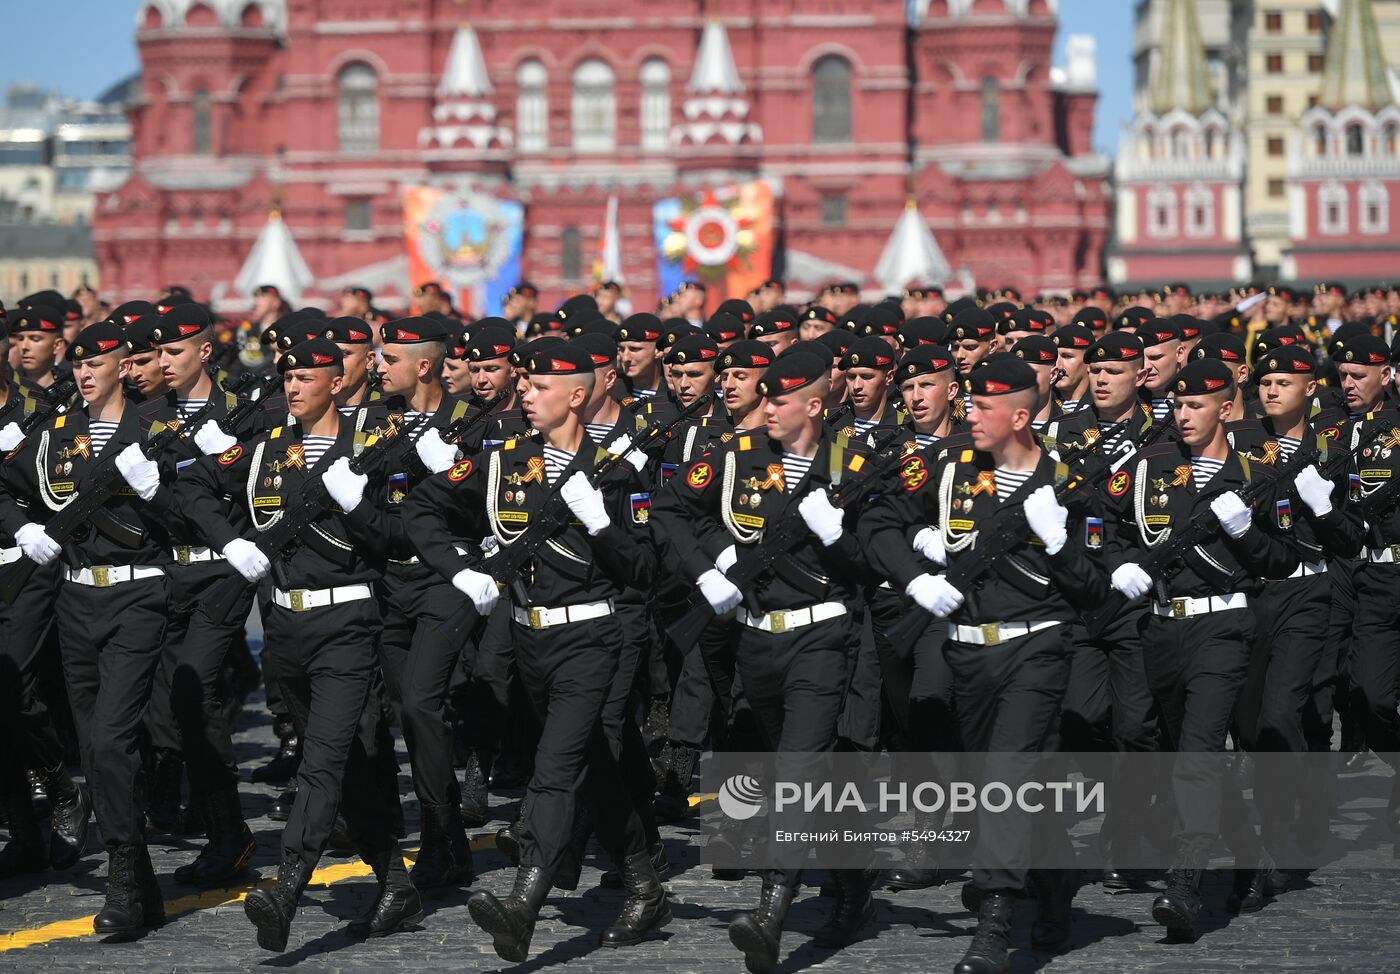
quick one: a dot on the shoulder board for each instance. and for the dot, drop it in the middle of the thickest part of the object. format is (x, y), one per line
(1061, 472)
(627, 400)
(156, 427)
(230, 400)
(600, 454)
(459, 410)
(60, 422)
(855, 462)
(843, 438)
(1244, 465)
(276, 433)
(966, 456)
(744, 443)
(510, 444)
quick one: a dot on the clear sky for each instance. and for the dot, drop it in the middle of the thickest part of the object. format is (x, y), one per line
(83, 47)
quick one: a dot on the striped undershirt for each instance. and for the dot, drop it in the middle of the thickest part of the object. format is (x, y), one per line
(315, 448)
(597, 432)
(1203, 469)
(101, 431)
(1288, 445)
(347, 410)
(864, 426)
(1009, 480)
(1114, 435)
(1039, 425)
(185, 408)
(1070, 405)
(644, 393)
(924, 439)
(555, 460)
(794, 469)
(1160, 408)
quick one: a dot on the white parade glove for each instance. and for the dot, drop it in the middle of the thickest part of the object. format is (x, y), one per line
(929, 543)
(247, 559)
(1232, 514)
(435, 452)
(719, 591)
(1047, 518)
(141, 474)
(822, 517)
(346, 487)
(623, 447)
(586, 501)
(36, 544)
(1131, 580)
(211, 440)
(726, 559)
(934, 594)
(11, 436)
(1315, 491)
(479, 587)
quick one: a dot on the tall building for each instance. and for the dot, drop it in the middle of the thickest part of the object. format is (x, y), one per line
(330, 111)
(1180, 170)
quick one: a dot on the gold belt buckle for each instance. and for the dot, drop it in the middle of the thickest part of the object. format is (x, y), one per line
(991, 633)
(298, 599)
(777, 620)
(182, 554)
(1178, 608)
(536, 619)
(1395, 553)
(101, 578)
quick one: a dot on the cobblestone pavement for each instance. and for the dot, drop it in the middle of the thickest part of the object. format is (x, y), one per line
(1336, 921)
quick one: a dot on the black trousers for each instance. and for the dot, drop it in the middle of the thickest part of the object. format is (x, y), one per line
(796, 682)
(110, 640)
(1196, 668)
(1331, 687)
(859, 726)
(1007, 698)
(325, 661)
(623, 734)
(568, 672)
(26, 723)
(1375, 660)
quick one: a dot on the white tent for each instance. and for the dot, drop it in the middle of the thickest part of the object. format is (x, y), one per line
(275, 260)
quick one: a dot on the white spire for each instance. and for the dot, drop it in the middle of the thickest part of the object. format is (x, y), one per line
(465, 74)
(276, 260)
(714, 71)
(911, 256)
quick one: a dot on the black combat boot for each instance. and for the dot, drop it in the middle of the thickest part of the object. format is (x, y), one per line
(852, 909)
(272, 910)
(71, 815)
(163, 809)
(658, 717)
(612, 879)
(672, 805)
(1054, 896)
(508, 838)
(645, 908)
(398, 906)
(133, 899)
(476, 803)
(283, 766)
(988, 952)
(1178, 907)
(511, 922)
(281, 806)
(25, 853)
(225, 857)
(758, 934)
(445, 857)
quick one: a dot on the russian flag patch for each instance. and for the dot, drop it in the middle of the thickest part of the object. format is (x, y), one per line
(641, 508)
(1093, 533)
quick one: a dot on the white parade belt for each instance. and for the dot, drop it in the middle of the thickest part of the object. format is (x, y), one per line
(103, 576)
(301, 599)
(782, 620)
(542, 617)
(994, 633)
(1185, 608)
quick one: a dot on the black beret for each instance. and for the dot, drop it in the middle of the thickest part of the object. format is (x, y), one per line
(457, 343)
(1202, 377)
(640, 327)
(884, 319)
(299, 331)
(956, 307)
(404, 331)
(521, 355)
(1285, 291)
(972, 324)
(673, 330)
(358, 291)
(924, 360)
(562, 359)
(772, 323)
(854, 319)
(792, 372)
(1276, 336)
(842, 287)
(126, 314)
(542, 324)
(72, 310)
(812, 347)
(745, 354)
(595, 326)
(1336, 286)
(1001, 310)
(837, 342)
(1037, 350)
(138, 333)
(1000, 374)
(1022, 319)
(525, 289)
(1224, 346)
(273, 332)
(737, 307)
(490, 342)
(577, 306)
(1362, 350)
(1073, 336)
(1158, 331)
(724, 326)
(1228, 320)
(48, 298)
(1288, 360)
(1091, 316)
(491, 321)
(924, 330)
(356, 331)
(310, 312)
(600, 347)
(1133, 317)
(1189, 325)
(180, 322)
(1177, 287)
(691, 349)
(98, 339)
(870, 352)
(315, 353)
(1116, 346)
(38, 317)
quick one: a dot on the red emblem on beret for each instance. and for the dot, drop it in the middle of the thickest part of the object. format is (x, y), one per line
(318, 359)
(411, 336)
(107, 344)
(791, 382)
(993, 387)
(189, 329)
(1213, 384)
(358, 336)
(555, 365)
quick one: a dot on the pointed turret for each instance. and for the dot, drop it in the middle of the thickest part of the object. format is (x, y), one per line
(1180, 79)
(1354, 73)
(465, 113)
(714, 72)
(715, 109)
(276, 260)
(912, 255)
(465, 76)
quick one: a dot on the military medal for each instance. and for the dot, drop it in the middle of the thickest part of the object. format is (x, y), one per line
(510, 496)
(277, 482)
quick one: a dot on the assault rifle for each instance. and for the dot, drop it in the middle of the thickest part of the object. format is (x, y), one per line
(58, 399)
(554, 516)
(780, 538)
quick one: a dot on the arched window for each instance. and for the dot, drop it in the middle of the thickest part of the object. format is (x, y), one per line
(570, 255)
(1356, 140)
(595, 108)
(1390, 139)
(831, 100)
(1161, 212)
(991, 110)
(1199, 204)
(1332, 202)
(1212, 143)
(201, 128)
(359, 109)
(1320, 141)
(531, 107)
(656, 104)
(1373, 208)
(1181, 144)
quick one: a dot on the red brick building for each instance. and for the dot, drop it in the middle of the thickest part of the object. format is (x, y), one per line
(326, 109)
